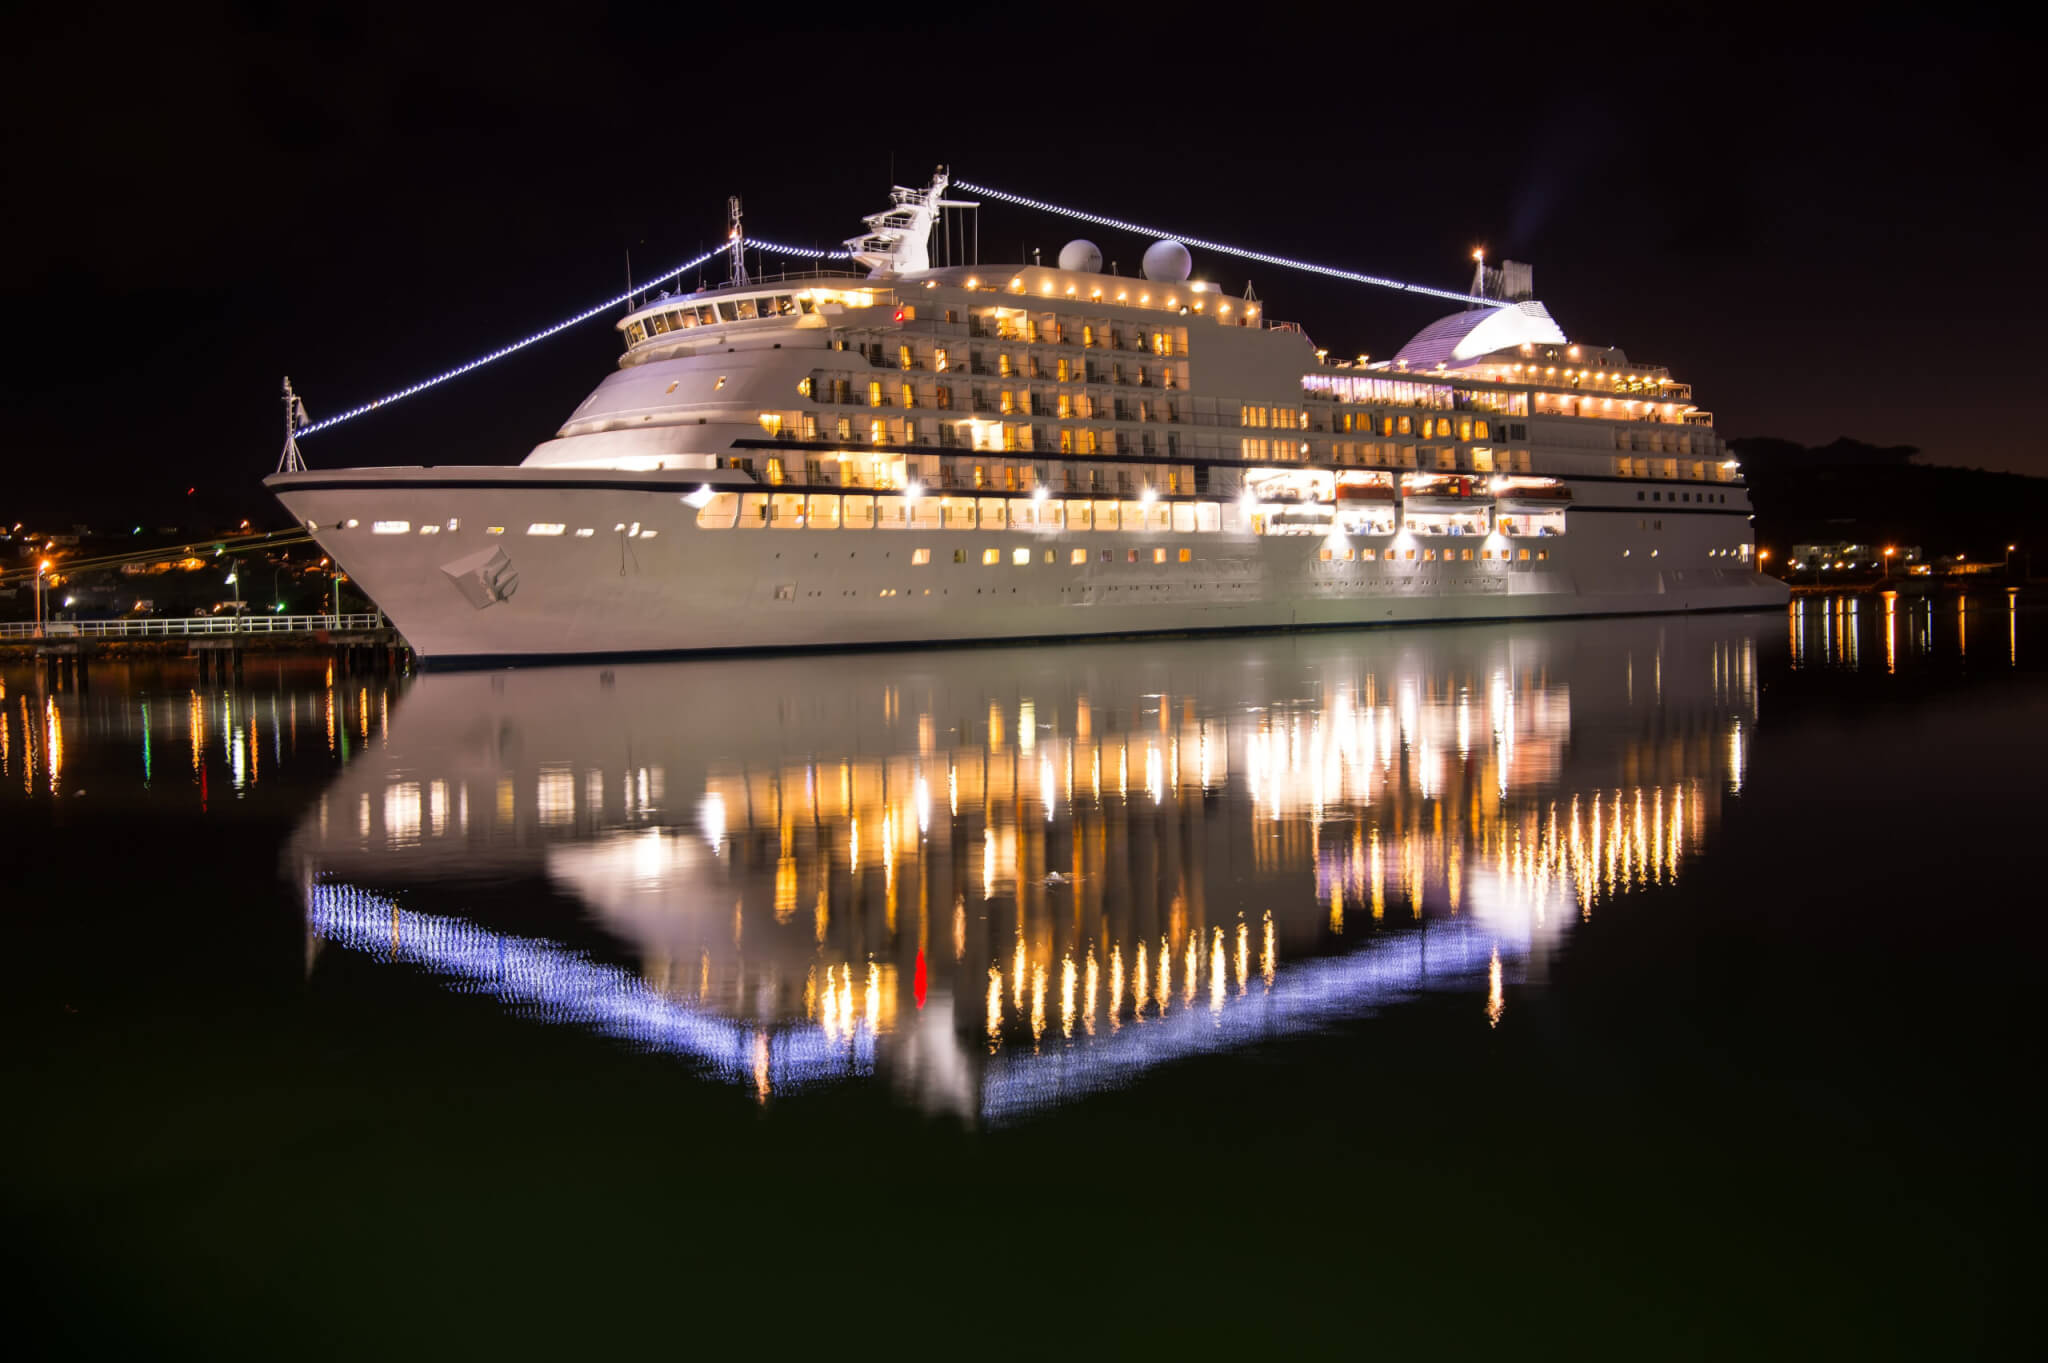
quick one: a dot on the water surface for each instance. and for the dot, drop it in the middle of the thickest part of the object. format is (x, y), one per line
(1562, 963)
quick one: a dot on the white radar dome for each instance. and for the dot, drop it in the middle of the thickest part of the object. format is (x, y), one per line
(1167, 262)
(1081, 256)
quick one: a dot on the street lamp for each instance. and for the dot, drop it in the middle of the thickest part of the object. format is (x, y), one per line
(2008, 556)
(41, 568)
(1888, 561)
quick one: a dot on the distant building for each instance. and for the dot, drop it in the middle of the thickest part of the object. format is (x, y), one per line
(1845, 556)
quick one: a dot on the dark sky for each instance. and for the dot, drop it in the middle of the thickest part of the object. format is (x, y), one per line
(1829, 223)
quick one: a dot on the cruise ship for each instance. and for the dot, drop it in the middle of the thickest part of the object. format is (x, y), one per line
(914, 452)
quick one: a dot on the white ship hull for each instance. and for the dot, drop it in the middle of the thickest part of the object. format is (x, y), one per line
(681, 589)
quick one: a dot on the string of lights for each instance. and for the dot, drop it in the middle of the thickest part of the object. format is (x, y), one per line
(502, 351)
(812, 253)
(1262, 257)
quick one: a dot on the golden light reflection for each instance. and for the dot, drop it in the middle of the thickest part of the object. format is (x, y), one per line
(995, 1007)
(1037, 1002)
(1116, 985)
(1218, 986)
(1244, 954)
(1496, 994)
(1092, 983)
(53, 743)
(1067, 980)
(1268, 954)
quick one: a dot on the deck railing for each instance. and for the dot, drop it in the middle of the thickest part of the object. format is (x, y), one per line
(194, 626)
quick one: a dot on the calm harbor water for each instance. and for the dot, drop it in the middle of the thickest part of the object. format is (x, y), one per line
(1652, 982)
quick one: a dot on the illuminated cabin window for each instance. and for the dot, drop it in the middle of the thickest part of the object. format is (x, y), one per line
(1187, 556)
(857, 513)
(1369, 554)
(390, 527)
(430, 530)
(823, 512)
(786, 511)
(546, 528)
(1077, 557)
(991, 557)
(771, 422)
(649, 534)
(494, 530)
(920, 557)
(1020, 557)
(718, 513)
(584, 532)
(1159, 556)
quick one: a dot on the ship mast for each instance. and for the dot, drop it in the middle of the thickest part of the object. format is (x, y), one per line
(735, 241)
(290, 461)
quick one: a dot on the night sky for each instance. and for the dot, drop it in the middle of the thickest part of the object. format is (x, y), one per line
(1829, 225)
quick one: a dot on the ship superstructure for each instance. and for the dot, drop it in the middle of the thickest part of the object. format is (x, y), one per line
(972, 452)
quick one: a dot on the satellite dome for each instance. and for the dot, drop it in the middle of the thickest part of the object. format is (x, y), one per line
(1081, 256)
(1167, 262)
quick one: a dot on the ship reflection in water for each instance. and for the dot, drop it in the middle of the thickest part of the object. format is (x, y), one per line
(998, 879)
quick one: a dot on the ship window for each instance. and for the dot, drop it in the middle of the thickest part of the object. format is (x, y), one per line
(718, 513)
(753, 510)
(920, 557)
(744, 307)
(857, 513)
(657, 325)
(1105, 515)
(675, 321)
(1368, 554)
(1187, 556)
(1208, 516)
(785, 305)
(582, 533)
(454, 524)
(993, 513)
(390, 527)
(706, 315)
(1523, 554)
(1109, 556)
(1408, 554)
(1077, 557)
(1159, 556)
(1325, 554)
(1078, 519)
(806, 306)
(546, 528)
(1184, 518)
(494, 530)
(635, 334)
(1542, 554)
(991, 557)
(430, 530)
(956, 513)
(1020, 557)
(679, 320)
(725, 312)
(1464, 554)
(823, 511)
(719, 384)
(786, 511)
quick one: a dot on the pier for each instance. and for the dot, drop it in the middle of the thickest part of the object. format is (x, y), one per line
(363, 642)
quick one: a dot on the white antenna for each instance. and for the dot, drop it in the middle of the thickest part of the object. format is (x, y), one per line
(294, 418)
(735, 241)
(898, 239)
